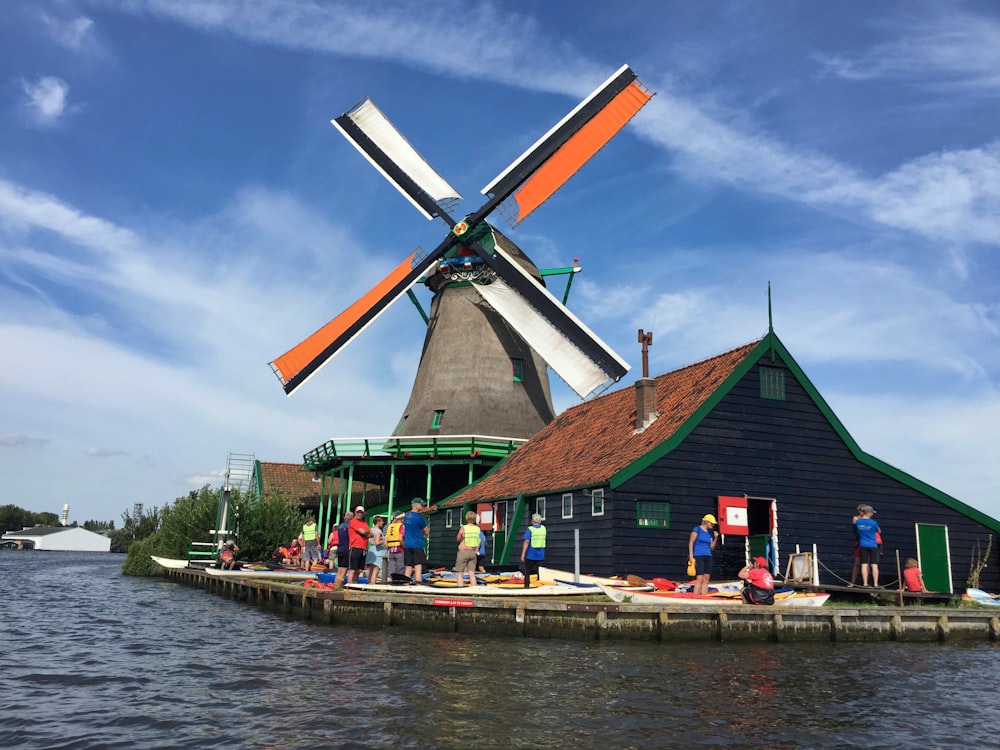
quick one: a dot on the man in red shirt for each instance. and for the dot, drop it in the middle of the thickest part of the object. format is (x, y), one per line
(357, 538)
(759, 586)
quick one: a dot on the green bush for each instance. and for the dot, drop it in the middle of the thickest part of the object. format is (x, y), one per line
(138, 561)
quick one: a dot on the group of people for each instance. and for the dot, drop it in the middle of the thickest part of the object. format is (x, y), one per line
(380, 552)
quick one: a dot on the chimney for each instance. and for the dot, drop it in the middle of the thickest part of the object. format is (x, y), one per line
(645, 403)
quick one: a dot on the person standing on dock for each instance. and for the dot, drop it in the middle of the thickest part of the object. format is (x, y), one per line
(359, 532)
(394, 546)
(468, 549)
(414, 531)
(533, 549)
(701, 544)
(310, 548)
(375, 560)
(869, 538)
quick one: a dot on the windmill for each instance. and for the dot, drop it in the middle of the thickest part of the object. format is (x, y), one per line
(478, 274)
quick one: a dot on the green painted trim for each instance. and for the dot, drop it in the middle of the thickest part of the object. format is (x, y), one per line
(519, 509)
(416, 304)
(643, 462)
(772, 344)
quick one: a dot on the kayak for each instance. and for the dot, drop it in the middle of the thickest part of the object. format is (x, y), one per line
(265, 574)
(981, 597)
(170, 562)
(784, 598)
(568, 577)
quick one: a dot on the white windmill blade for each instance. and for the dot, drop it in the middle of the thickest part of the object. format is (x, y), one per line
(378, 140)
(581, 371)
(577, 369)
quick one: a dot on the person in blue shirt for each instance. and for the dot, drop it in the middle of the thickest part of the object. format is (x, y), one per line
(414, 531)
(701, 544)
(533, 549)
(869, 533)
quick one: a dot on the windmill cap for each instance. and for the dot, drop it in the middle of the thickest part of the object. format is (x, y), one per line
(760, 561)
(709, 517)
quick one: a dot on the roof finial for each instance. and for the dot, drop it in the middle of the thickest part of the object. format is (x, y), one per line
(770, 322)
(645, 339)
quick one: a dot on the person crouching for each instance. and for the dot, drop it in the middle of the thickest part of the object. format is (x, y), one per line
(758, 583)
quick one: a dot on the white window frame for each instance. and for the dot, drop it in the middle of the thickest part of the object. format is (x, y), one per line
(597, 498)
(540, 506)
(449, 518)
(567, 498)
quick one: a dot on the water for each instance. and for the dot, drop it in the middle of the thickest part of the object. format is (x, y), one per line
(92, 659)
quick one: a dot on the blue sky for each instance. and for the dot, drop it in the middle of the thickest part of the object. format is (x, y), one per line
(176, 210)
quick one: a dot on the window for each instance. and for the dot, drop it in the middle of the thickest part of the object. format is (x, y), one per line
(772, 383)
(438, 418)
(540, 507)
(567, 505)
(597, 502)
(652, 515)
(517, 367)
(449, 517)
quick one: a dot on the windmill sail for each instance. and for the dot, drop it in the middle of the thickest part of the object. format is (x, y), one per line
(535, 175)
(378, 140)
(571, 349)
(303, 360)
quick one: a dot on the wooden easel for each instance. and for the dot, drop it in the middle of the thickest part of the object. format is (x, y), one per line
(799, 568)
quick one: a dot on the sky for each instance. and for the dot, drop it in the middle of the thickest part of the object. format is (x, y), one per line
(176, 211)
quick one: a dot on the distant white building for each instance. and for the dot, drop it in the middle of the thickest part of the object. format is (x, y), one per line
(61, 538)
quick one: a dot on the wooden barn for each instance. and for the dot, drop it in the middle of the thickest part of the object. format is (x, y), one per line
(743, 435)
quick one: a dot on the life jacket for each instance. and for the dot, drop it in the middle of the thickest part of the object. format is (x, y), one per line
(310, 532)
(537, 536)
(472, 532)
(394, 534)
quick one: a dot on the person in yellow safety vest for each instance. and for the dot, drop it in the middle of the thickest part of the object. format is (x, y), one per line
(311, 552)
(394, 543)
(533, 549)
(468, 549)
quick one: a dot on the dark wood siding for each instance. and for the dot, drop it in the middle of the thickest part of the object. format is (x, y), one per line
(787, 450)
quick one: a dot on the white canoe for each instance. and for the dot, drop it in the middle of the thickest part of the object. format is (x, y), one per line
(787, 599)
(568, 577)
(169, 562)
(454, 591)
(273, 575)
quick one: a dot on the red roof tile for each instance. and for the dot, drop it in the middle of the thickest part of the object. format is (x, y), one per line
(586, 444)
(294, 483)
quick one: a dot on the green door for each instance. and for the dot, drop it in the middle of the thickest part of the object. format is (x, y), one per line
(934, 556)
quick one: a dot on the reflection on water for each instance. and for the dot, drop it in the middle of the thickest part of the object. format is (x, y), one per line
(95, 660)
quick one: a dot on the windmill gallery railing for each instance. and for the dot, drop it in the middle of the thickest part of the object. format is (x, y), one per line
(421, 447)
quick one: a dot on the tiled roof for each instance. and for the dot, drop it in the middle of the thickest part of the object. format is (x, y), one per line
(295, 483)
(586, 444)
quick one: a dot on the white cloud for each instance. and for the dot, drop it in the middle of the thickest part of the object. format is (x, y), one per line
(74, 34)
(951, 48)
(45, 99)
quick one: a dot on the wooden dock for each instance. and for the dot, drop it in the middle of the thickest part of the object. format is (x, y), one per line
(570, 618)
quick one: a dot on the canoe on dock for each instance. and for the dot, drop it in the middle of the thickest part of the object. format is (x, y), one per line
(783, 598)
(262, 574)
(487, 590)
(170, 562)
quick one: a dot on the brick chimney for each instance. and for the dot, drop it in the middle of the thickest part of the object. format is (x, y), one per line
(645, 403)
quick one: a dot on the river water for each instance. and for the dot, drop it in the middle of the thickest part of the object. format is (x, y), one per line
(93, 659)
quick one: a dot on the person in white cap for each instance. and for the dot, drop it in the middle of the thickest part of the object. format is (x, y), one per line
(701, 543)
